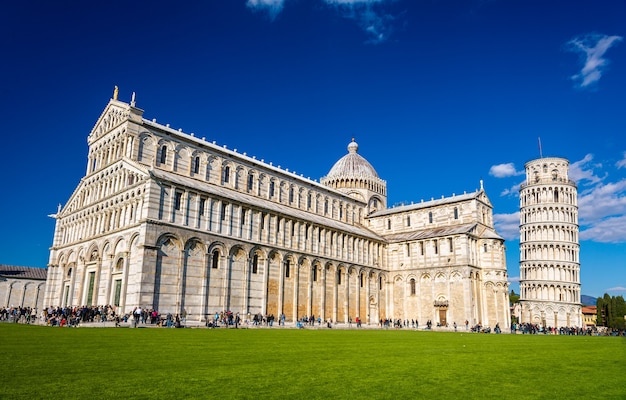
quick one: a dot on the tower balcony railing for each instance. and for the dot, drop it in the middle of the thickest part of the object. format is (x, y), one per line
(543, 181)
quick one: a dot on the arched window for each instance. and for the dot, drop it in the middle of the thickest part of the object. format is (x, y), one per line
(287, 265)
(314, 274)
(226, 174)
(177, 200)
(456, 213)
(196, 165)
(339, 277)
(202, 204)
(271, 191)
(215, 259)
(291, 195)
(250, 182)
(163, 154)
(255, 264)
(430, 217)
(412, 284)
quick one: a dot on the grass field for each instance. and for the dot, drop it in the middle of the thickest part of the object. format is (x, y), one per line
(102, 363)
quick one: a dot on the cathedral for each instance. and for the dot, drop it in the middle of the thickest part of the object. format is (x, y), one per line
(168, 221)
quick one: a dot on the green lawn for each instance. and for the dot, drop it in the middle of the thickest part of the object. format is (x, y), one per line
(93, 363)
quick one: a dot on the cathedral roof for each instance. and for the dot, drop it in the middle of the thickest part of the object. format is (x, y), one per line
(17, 272)
(472, 228)
(243, 198)
(352, 165)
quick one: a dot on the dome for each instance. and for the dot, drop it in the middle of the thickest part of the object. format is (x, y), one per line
(352, 165)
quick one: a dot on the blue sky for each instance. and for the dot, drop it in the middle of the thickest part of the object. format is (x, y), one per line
(438, 94)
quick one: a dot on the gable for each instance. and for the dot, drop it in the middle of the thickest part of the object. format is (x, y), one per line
(114, 115)
(83, 192)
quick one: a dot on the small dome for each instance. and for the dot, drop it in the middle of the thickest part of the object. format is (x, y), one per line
(352, 165)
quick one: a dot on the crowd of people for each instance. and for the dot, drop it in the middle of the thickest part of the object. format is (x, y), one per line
(25, 315)
(74, 316)
(536, 329)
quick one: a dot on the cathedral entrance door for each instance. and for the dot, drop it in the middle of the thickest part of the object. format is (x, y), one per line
(442, 316)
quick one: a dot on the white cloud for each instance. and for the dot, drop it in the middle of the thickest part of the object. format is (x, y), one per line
(369, 16)
(617, 289)
(273, 7)
(598, 205)
(621, 163)
(514, 279)
(609, 230)
(507, 225)
(592, 48)
(583, 170)
(504, 170)
(601, 204)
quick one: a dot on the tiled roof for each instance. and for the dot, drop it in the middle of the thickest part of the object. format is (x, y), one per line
(589, 309)
(16, 272)
(430, 233)
(442, 231)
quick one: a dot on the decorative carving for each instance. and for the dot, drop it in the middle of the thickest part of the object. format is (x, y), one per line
(441, 303)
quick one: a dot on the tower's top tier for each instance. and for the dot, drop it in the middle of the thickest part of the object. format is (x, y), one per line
(547, 170)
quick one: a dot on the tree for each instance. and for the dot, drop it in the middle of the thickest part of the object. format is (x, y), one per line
(513, 298)
(611, 311)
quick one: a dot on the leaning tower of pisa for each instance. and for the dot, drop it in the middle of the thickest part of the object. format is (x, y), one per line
(549, 249)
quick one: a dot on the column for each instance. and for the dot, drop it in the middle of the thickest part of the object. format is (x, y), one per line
(335, 296)
(323, 277)
(358, 295)
(281, 287)
(246, 285)
(296, 286)
(125, 284)
(368, 282)
(266, 274)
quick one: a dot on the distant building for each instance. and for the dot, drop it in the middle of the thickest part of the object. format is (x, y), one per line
(168, 221)
(22, 286)
(549, 250)
(590, 315)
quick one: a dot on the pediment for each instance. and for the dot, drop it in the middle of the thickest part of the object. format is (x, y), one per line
(82, 193)
(114, 114)
(482, 196)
